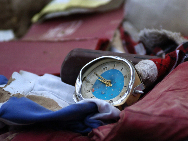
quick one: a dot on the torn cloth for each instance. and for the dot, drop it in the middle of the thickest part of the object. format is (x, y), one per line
(29, 98)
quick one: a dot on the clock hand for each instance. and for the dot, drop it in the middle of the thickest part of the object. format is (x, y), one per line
(106, 82)
(100, 76)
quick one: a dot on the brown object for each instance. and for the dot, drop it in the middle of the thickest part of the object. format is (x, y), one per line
(77, 58)
(17, 14)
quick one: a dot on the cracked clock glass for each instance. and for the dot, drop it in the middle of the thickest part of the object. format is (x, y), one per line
(107, 79)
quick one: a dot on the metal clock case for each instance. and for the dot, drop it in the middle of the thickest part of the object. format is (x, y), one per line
(110, 78)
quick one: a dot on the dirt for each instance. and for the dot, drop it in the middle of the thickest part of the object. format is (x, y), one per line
(43, 101)
(4, 95)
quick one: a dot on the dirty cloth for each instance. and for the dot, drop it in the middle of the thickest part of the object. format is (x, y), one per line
(21, 109)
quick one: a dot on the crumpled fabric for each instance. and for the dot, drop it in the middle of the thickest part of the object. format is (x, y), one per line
(79, 117)
(49, 135)
(106, 110)
(76, 117)
(48, 86)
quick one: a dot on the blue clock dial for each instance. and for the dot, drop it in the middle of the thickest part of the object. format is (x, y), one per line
(101, 91)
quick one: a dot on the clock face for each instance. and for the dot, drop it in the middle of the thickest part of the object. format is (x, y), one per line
(108, 79)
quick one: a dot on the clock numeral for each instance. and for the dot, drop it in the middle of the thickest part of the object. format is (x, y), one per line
(121, 69)
(86, 79)
(87, 91)
(125, 76)
(111, 101)
(114, 66)
(105, 68)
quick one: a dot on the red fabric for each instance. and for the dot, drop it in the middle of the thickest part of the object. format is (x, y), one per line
(160, 115)
(171, 60)
(183, 47)
(102, 44)
(127, 41)
(50, 136)
(165, 65)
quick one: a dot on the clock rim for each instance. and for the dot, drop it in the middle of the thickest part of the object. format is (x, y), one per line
(78, 96)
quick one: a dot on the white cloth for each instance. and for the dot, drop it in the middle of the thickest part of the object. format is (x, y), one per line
(106, 110)
(48, 86)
